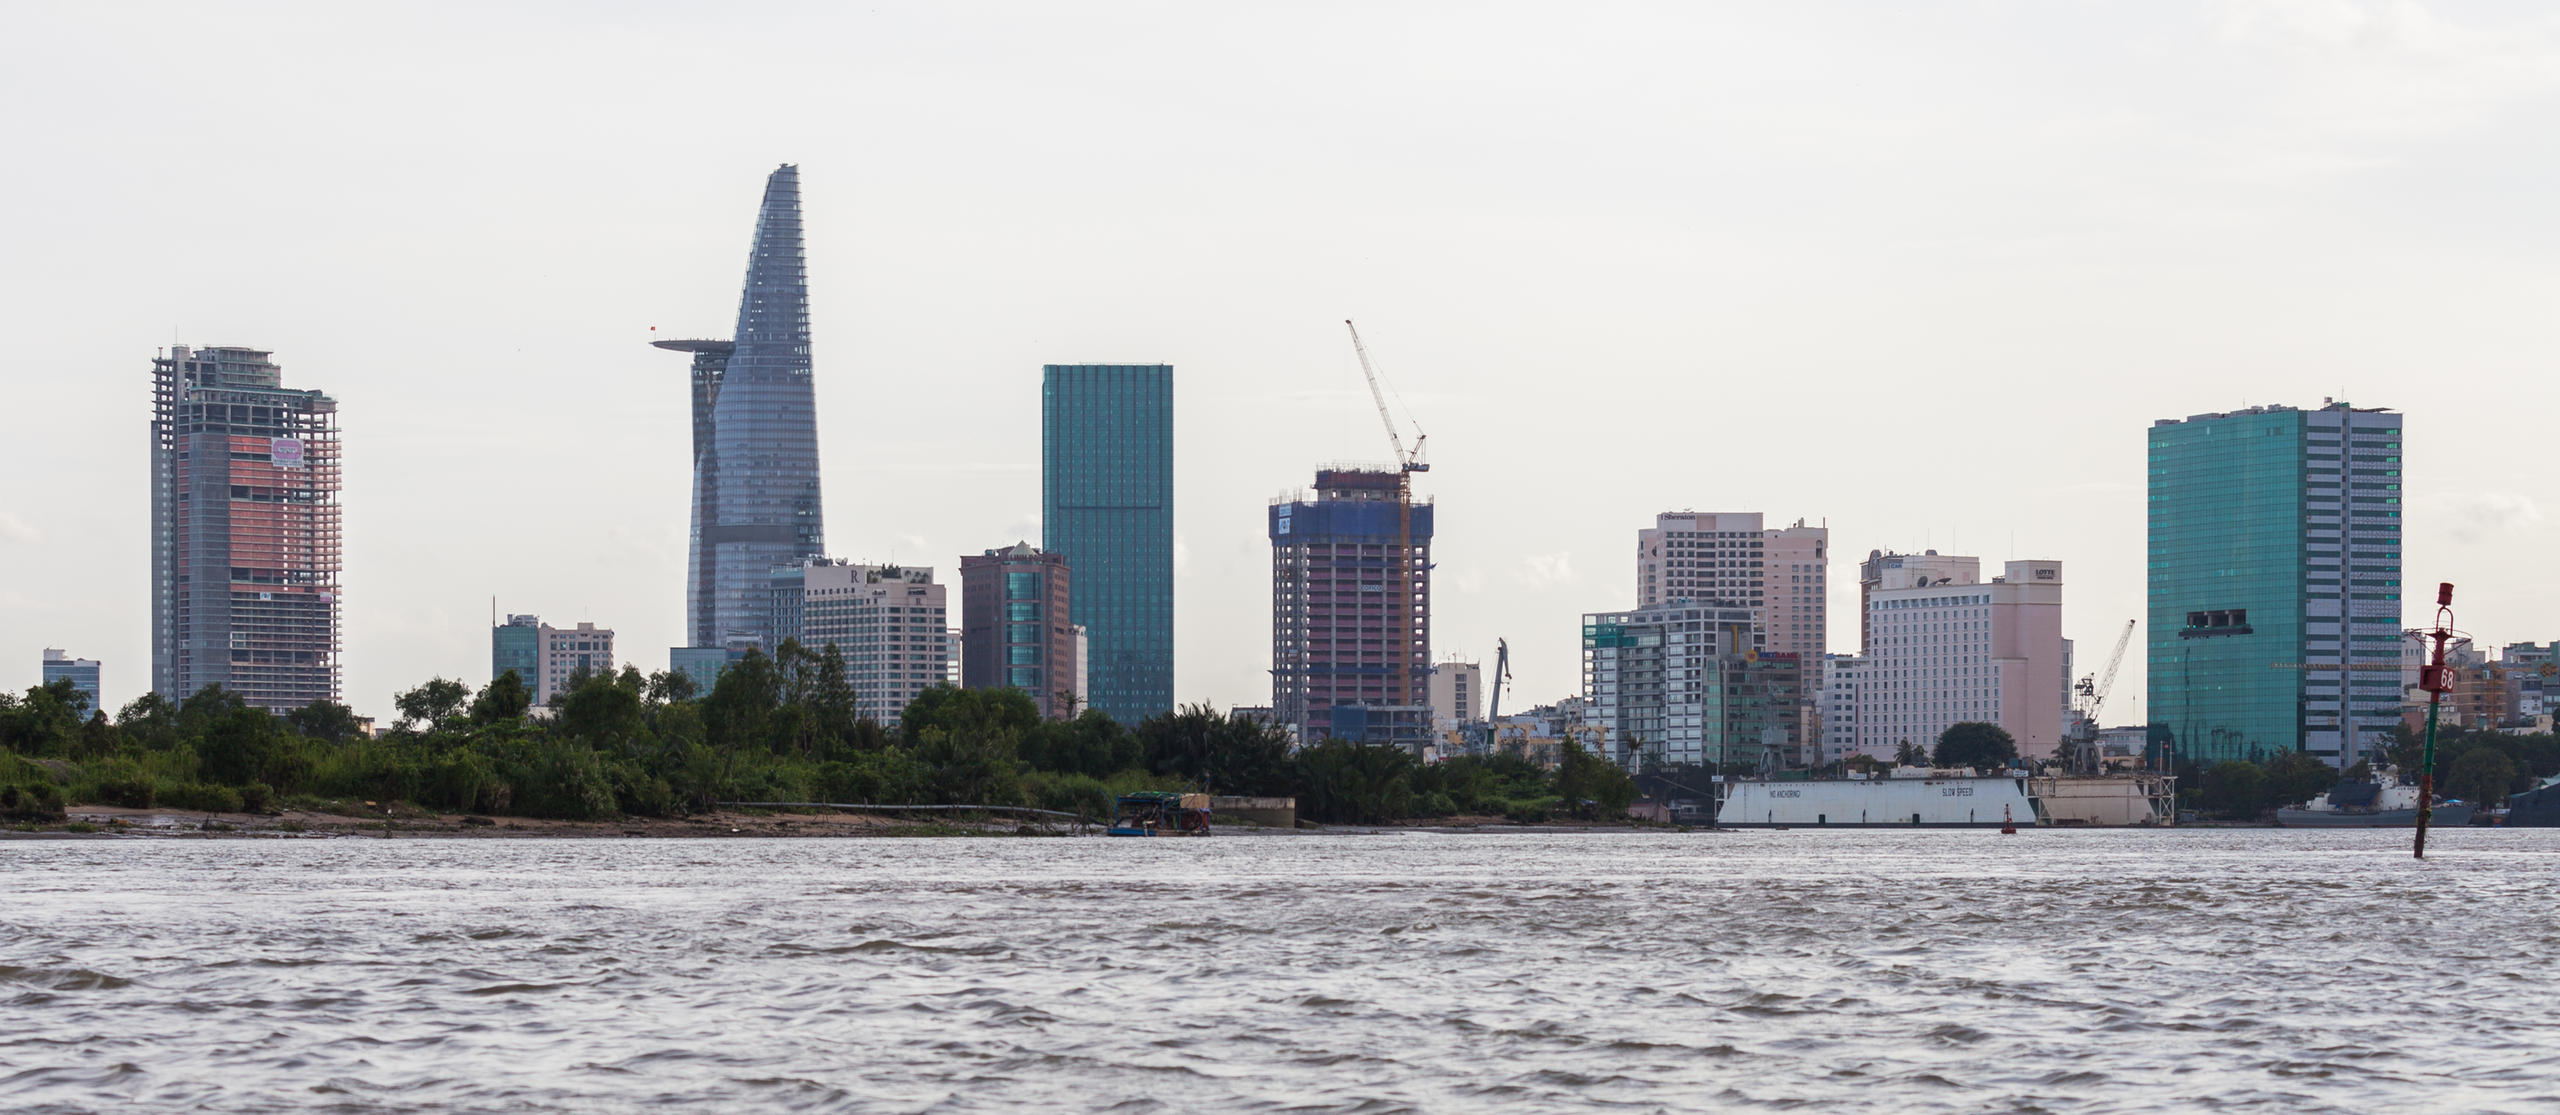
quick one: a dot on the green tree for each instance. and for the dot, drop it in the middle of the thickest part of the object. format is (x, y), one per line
(2234, 789)
(238, 749)
(325, 720)
(435, 707)
(1910, 754)
(2296, 777)
(956, 709)
(1592, 787)
(47, 722)
(2482, 776)
(1974, 744)
(1220, 753)
(150, 722)
(504, 699)
(1091, 744)
(971, 765)
(1341, 782)
(670, 686)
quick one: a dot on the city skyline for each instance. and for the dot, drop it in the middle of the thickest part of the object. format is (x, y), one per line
(1973, 351)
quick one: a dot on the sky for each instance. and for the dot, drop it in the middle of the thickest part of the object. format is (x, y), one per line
(1920, 273)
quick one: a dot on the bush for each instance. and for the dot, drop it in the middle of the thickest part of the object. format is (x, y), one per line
(194, 796)
(1080, 794)
(121, 782)
(31, 801)
(1536, 812)
(258, 797)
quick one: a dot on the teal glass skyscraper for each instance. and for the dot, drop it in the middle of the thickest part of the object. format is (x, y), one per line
(2274, 569)
(1106, 504)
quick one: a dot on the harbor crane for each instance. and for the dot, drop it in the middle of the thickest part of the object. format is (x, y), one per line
(1493, 684)
(1401, 690)
(2092, 692)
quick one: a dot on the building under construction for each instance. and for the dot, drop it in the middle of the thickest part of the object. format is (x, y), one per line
(244, 530)
(1347, 627)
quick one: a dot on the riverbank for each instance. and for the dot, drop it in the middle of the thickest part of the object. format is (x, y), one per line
(114, 822)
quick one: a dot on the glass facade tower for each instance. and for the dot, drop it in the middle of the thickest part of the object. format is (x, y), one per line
(756, 503)
(2274, 569)
(1106, 506)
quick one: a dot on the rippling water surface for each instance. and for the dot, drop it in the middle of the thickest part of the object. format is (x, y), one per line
(2252, 970)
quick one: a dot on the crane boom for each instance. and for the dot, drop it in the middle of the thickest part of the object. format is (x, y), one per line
(1409, 462)
(2098, 699)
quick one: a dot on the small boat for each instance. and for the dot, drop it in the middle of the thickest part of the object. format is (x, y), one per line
(1160, 813)
(2386, 804)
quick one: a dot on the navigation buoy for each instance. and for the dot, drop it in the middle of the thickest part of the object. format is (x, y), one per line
(2008, 827)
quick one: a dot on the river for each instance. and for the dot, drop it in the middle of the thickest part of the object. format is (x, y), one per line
(2064, 971)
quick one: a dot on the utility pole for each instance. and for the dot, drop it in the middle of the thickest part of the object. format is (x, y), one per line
(2437, 680)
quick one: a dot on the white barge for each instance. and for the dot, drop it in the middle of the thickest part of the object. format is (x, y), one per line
(1938, 801)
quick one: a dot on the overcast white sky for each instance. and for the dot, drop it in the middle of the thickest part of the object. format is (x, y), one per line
(1922, 271)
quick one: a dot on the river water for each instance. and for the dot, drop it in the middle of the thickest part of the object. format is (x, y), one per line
(2082, 971)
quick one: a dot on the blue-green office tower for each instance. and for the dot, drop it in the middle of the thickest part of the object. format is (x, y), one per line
(1106, 503)
(2275, 583)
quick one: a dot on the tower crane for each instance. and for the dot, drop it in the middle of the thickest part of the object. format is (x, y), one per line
(1400, 690)
(2092, 692)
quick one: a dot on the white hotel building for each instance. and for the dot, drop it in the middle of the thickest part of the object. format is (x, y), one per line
(1944, 648)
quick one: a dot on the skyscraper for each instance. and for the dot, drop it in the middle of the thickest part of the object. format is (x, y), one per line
(81, 672)
(244, 539)
(1014, 604)
(1334, 638)
(544, 657)
(1106, 505)
(890, 623)
(756, 501)
(2275, 582)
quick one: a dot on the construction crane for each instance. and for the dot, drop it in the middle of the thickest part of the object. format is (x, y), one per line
(1501, 673)
(1407, 463)
(2093, 692)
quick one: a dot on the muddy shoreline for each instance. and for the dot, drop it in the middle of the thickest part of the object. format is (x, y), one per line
(114, 822)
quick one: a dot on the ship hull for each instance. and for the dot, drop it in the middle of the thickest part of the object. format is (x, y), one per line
(2446, 816)
(1879, 803)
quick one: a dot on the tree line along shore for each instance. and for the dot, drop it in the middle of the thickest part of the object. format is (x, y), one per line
(780, 727)
(785, 727)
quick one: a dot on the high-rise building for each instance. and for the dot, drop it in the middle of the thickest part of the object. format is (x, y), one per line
(2274, 563)
(703, 665)
(1014, 626)
(891, 624)
(1688, 683)
(244, 540)
(1730, 559)
(517, 645)
(1702, 557)
(1456, 688)
(756, 500)
(82, 673)
(1106, 507)
(1797, 560)
(1836, 695)
(570, 651)
(1334, 635)
(546, 658)
(1906, 571)
(1943, 648)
